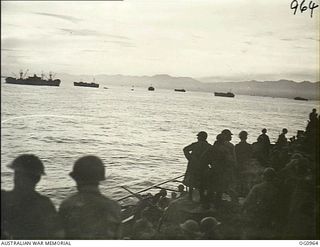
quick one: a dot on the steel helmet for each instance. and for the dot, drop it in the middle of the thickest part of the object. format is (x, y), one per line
(226, 132)
(243, 133)
(28, 163)
(88, 169)
(190, 226)
(203, 135)
(269, 174)
(208, 223)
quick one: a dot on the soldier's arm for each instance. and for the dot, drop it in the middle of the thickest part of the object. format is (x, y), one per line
(250, 199)
(118, 216)
(53, 222)
(187, 150)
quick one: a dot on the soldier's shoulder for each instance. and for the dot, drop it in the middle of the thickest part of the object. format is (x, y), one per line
(71, 200)
(111, 203)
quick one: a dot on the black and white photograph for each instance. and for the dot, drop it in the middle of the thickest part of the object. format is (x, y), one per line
(160, 120)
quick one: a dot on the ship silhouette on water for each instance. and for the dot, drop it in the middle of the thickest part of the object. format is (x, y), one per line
(86, 84)
(34, 80)
(180, 90)
(151, 88)
(300, 98)
(228, 94)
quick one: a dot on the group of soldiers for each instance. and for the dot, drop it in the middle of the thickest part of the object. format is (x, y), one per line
(26, 214)
(215, 169)
(281, 205)
(281, 202)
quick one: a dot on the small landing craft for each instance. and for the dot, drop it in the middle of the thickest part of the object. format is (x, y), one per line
(180, 90)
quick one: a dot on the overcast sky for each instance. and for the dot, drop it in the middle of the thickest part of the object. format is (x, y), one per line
(225, 39)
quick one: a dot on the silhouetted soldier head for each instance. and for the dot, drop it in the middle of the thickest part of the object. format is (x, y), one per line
(28, 169)
(227, 134)
(202, 136)
(220, 138)
(269, 174)
(284, 131)
(243, 135)
(208, 224)
(88, 170)
(264, 131)
(181, 188)
(191, 229)
(163, 192)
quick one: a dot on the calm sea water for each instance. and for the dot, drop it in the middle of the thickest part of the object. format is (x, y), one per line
(138, 134)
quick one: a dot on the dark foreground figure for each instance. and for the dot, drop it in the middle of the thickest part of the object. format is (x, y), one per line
(25, 214)
(88, 214)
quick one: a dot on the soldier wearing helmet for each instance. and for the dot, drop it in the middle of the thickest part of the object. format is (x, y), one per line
(232, 164)
(261, 206)
(25, 214)
(282, 139)
(209, 226)
(196, 168)
(190, 230)
(89, 214)
(243, 155)
(263, 148)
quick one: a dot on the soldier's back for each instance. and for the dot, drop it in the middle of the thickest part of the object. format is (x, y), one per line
(88, 215)
(28, 216)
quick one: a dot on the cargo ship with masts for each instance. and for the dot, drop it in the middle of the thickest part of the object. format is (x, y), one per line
(228, 94)
(86, 84)
(33, 80)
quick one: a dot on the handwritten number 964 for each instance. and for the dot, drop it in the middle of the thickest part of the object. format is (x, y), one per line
(303, 7)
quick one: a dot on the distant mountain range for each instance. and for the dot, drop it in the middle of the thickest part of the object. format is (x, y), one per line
(281, 88)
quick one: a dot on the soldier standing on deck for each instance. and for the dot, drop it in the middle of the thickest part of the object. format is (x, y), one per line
(196, 169)
(232, 160)
(282, 139)
(244, 154)
(264, 147)
(25, 214)
(88, 214)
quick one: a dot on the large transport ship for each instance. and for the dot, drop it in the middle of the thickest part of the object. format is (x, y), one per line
(85, 84)
(228, 94)
(33, 80)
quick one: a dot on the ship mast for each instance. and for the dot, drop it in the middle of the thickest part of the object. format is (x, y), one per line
(24, 76)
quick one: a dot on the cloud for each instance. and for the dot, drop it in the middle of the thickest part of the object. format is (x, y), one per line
(93, 50)
(288, 39)
(311, 38)
(88, 32)
(5, 49)
(248, 42)
(122, 43)
(64, 17)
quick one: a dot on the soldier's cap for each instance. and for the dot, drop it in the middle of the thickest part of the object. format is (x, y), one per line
(27, 163)
(202, 134)
(226, 132)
